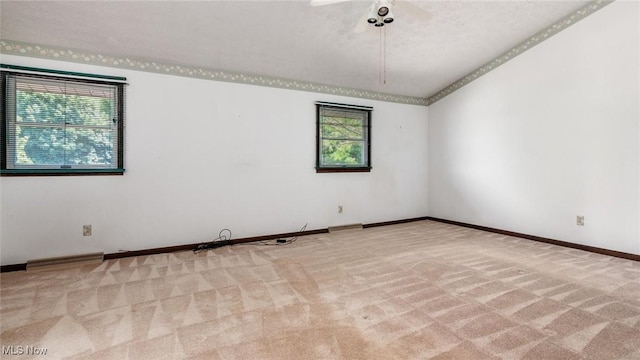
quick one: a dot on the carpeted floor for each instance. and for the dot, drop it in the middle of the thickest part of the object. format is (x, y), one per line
(422, 290)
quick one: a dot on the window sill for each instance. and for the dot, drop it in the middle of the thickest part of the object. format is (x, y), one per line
(60, 172)
(342, 169)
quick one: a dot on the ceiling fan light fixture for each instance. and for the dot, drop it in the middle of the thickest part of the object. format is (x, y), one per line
(373, 16)
(389, 18)
(379, 24)
(383, 11)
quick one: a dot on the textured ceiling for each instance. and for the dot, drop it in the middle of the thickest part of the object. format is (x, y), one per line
(291, 39)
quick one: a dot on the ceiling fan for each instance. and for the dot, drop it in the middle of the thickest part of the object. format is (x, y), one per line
(380, 12)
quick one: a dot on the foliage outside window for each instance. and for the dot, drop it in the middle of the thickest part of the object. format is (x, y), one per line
(61, 125)
(343, 138)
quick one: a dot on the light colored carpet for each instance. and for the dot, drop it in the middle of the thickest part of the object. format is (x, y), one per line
(422, 290)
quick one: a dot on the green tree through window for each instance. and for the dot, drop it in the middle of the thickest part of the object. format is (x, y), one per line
(343, 138)
(54, 123)
(63, 129)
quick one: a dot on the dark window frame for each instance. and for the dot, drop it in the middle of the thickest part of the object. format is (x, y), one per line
(322, 168)
(9, 169)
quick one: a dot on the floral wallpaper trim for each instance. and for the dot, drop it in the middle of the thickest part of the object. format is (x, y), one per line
(48, 52)
(532, 41)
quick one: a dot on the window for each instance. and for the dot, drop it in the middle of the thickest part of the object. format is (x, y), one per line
(343, 138)
(56, 123)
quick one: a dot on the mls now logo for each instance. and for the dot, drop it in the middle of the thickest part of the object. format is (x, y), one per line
(23, 350)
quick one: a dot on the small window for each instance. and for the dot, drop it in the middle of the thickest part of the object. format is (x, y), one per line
(343, 138)
(58, 124)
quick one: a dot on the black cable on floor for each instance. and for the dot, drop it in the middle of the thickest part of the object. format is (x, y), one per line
(223, 239)
(280, 242)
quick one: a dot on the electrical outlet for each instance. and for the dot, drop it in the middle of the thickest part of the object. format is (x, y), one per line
(86, 230)
(580, 220)
(339, 209)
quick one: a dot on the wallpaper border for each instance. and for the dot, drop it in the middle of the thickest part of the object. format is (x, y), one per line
(11, 47)
(532, 41)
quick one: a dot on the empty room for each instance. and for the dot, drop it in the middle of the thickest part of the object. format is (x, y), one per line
(320, 179)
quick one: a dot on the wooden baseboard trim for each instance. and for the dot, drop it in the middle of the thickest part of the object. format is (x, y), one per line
(152, 251)
(395, 222)
(187, 247)
(333, 229)
(593, 249)
(279, 236)
(13, 267)
(161, 250)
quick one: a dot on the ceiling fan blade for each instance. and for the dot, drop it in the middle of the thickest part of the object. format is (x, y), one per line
(406, 7)
(325, 2)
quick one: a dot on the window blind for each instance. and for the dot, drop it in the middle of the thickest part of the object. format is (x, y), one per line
(66, 123)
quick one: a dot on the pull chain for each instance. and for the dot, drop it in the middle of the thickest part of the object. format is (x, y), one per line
(384, 67)
(380, 54)
(383, 55)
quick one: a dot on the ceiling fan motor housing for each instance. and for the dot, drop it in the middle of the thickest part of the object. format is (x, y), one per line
(380, 13)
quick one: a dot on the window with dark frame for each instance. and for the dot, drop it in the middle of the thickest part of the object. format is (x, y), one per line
(61, 123)
(343, 138)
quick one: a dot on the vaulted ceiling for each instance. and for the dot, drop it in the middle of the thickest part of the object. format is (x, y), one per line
(291, 39)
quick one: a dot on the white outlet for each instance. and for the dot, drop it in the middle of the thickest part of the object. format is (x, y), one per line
(86, 230)
(339, 209)
(580, 220)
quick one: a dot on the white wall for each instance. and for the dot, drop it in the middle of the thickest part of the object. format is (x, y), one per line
(548, 136)
(204, 155)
